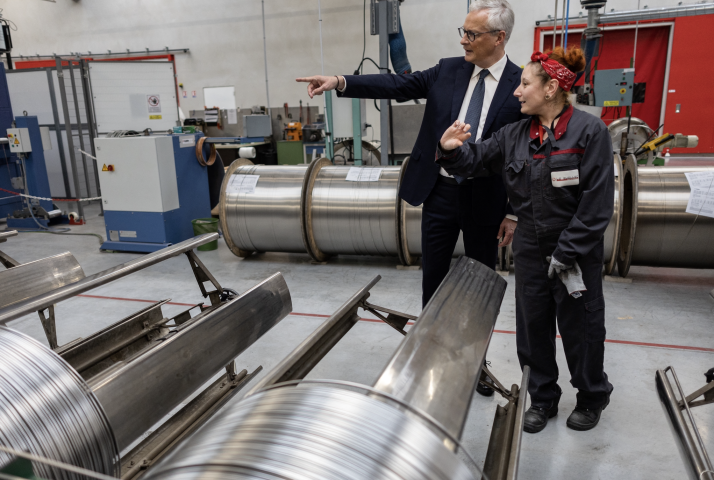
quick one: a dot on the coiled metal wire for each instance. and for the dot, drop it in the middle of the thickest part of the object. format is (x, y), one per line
(48, 410)
(312, 432)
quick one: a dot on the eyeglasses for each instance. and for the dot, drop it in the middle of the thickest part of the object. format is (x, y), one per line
(473, 35)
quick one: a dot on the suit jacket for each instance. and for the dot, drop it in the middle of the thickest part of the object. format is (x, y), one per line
(444, 87)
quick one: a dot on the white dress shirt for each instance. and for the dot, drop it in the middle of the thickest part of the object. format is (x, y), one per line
(490, 85)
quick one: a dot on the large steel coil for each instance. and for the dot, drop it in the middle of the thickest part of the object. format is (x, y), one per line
(656, 230)
(312, 432)
(48, 410)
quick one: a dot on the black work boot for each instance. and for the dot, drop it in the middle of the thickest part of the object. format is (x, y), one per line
(536, 418)
(482, 389)
(583, 419)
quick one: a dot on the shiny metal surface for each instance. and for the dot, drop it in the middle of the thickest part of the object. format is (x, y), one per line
(306, 355)
(48, 410)
(267, 220)
(639, 133)
(312, 432)
(167, 374)
(355, 218)
(5, 235)
(42, 301)
(412, 228)
(39, 277)
(436, 367)
(694, 455)
(612, 233)
(665, 235)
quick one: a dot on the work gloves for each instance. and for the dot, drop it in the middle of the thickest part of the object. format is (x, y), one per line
(570, 275)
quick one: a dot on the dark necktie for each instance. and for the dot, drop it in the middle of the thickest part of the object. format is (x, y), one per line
(473, 114)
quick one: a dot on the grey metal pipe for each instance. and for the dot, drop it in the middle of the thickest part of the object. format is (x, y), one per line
(657, 231)
(5, 235)
(41, 302)
(141, 392)
(437, 366)
(647, 14)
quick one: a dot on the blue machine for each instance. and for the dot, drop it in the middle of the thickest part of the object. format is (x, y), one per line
(152, 187)
(12, 178)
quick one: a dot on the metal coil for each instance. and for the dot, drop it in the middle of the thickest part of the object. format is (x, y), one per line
(312, 432)
(657, 231)
(268, 220)
(355, 218)
(48, 410)
(612, 233)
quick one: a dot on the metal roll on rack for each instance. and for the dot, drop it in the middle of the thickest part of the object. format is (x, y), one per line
(612, 233)
(656, 230)
(47, 409)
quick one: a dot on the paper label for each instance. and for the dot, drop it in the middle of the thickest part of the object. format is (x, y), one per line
(242, 184)
(232, 116)
(563, 179)
(359, 174)
(188, 141)
(617, 171)
(127, 233)
(154, 103)
(701, 197)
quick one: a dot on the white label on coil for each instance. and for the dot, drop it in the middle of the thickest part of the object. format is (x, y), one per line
(187, 141)
(242, 184)
(358, 174)
(617, 171)
(127, 233)
(701, 197)
(563, 179)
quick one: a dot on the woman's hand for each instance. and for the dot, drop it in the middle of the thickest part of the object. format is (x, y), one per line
(455, 136)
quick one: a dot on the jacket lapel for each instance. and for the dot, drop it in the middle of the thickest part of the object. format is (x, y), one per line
(503, 91)
(463, 76)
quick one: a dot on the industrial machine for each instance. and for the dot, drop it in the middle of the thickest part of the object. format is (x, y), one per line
(152, 187)
(78, 410)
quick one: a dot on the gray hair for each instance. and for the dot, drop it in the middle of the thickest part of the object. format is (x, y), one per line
(500, 14)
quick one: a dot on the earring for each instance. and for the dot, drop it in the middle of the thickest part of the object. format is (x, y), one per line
(547, 97)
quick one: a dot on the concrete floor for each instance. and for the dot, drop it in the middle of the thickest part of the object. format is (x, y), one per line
(664, 317)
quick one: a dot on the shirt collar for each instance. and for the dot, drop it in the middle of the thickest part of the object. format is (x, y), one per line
(496, 69)
(560, 128)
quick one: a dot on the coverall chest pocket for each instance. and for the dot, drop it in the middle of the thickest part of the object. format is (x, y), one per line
(560, 176)
(516, 179)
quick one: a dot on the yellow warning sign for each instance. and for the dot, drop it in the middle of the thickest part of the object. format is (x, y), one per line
(611, 103)
(104, 168)
(154, 117)
(623, 91)
(17, 141)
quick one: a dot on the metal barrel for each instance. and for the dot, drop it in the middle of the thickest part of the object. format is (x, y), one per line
(437, 366)
(312, 431)
(412, 231)
(657, 230)
(612, 233)
(163, 377)
(46, 409)
(266, 218)
(356, 217)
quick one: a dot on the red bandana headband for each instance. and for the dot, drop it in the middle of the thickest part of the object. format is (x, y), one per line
(555, 70)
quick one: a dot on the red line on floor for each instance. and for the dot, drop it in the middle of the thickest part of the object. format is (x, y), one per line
(374, 320)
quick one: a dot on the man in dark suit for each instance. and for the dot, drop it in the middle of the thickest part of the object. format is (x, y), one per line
(478, 89)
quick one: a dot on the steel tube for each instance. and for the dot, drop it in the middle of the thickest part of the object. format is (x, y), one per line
(695, 461)
(436, 367)
(5, 235)
(355, 217)
(141, 392)
(646, 14)
(41, 302)
(664, 234)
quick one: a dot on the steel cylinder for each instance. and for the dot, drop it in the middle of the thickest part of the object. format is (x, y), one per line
(266, 218)
(612, 233)
(657, 230)
(355, 217)
(312, 432)
(46, 409)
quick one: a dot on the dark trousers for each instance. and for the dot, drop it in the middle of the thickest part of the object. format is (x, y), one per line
(446, 212)
(540, 303)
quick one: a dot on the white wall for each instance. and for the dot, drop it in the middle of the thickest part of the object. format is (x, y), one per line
(226, 41)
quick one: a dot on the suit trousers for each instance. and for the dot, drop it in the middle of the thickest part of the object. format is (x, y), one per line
(543, 302)
(447, 211)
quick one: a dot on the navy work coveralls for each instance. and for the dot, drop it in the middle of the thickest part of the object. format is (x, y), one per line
(562, 192)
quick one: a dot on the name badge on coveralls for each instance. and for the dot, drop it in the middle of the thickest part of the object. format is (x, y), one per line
(566, 178)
